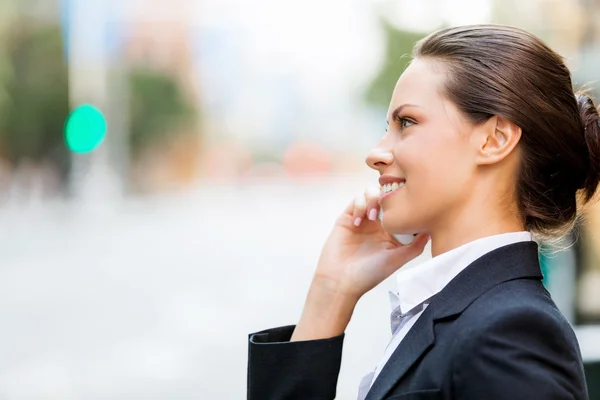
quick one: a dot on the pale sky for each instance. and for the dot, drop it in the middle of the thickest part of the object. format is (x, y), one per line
(341, 32)
(328, 39)
(328, 49)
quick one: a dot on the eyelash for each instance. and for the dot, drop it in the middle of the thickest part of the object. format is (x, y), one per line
(402, 121)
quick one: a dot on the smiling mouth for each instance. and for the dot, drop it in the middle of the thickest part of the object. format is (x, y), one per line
(390, 187)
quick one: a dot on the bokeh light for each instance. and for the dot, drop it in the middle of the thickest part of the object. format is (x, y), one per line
(85, 129)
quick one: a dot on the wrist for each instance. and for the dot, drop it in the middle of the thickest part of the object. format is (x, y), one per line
(327, 312)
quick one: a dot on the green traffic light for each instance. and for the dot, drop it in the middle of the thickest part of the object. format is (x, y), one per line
(85, 129)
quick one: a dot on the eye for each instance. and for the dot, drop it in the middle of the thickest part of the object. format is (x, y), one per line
(405, 122)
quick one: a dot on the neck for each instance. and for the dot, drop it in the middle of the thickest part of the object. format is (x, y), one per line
(472, 223)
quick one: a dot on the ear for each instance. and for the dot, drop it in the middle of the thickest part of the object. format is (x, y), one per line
(496, 139)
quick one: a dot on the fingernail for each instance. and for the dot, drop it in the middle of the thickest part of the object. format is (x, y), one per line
(373, 214)
(357, 221)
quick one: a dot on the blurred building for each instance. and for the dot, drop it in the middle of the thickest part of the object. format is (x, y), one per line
(559, 22)
(158, 36)
(592, 22)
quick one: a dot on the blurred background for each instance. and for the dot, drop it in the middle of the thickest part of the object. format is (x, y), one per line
(169, 170)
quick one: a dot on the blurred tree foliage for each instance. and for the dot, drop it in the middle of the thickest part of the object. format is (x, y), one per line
(34, 99)
(35, 96)
(399, 45)
(158, 109)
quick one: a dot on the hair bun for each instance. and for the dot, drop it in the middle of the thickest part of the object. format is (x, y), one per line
(591, 126)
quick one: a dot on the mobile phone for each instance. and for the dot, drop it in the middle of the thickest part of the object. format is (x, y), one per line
(403, 239)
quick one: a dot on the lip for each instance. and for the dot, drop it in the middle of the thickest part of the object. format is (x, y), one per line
(385, 196)
(388, 179)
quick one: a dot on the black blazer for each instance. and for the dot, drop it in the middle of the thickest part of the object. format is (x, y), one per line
(492, 333)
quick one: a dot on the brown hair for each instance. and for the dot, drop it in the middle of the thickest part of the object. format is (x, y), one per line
(505, 71)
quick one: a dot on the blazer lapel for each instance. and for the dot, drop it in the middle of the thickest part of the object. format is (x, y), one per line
(515, 261)
(418, 340)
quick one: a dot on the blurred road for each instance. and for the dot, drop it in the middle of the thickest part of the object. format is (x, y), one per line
(154, 298)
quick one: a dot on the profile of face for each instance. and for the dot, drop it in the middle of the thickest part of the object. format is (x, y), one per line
(427, 146)
(474, 147)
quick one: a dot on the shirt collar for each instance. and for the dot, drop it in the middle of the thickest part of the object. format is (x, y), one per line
(420, 282)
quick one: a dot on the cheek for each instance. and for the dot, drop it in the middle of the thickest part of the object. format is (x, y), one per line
(426, 157)
(435, 169)
(437, 173)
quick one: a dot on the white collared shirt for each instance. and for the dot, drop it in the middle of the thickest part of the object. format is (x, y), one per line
(418, 284)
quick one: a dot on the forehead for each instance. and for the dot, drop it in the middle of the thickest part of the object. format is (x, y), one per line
(420, 84)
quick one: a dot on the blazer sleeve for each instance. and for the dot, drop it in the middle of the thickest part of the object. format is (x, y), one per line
(521, 354)
(280, 369)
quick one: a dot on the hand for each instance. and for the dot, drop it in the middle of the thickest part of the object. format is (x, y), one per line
(359, 254)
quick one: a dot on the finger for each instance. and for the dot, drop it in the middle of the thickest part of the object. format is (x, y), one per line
(372, 197)
(416, 247)
(408, 252)
(360, 208)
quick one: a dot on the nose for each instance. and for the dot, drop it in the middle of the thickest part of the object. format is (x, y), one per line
(379, 158)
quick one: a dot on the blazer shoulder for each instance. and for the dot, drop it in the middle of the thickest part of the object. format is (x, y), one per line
(514, 342)
(523, 306)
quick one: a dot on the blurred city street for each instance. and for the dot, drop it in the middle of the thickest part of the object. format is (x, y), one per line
(154, 298)
(206, 148)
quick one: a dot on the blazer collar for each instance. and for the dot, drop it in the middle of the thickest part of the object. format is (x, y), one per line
(422, 281)
(514, 261)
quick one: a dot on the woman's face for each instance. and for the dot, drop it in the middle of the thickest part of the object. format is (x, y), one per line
(427, 148)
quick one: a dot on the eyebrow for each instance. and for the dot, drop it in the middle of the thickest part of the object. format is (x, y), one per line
(399, 109)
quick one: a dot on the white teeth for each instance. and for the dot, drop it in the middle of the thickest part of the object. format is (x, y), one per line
(391, 187)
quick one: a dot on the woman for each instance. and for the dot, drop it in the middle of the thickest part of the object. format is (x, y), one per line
(487, 144)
